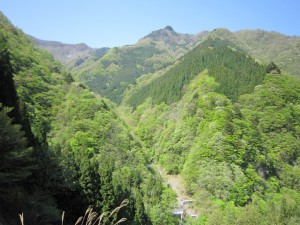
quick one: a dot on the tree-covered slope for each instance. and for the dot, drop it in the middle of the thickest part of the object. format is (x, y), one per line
(266, 47)
(129, 63)
(31, 84)
(236, 72)
(63, 147)
(239, 160)
(230, 127)
(272, 46)
(111, 74)
(226, 123)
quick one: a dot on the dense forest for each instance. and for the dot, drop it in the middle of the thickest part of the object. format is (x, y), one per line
(239, 160)
(236, 73)
(112, 73)
(229, 126)
(224, 122)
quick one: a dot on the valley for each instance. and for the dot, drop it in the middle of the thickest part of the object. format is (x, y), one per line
(184, 207)
(205, 126)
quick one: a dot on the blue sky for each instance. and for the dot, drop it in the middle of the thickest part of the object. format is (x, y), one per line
(109, 23)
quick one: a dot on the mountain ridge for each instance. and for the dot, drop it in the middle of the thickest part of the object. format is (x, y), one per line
(70, 55)
(250, 40)
(61, 51)
(236, 72)
(109, 72)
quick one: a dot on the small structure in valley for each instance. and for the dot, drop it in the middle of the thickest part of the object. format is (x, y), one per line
(183, 209)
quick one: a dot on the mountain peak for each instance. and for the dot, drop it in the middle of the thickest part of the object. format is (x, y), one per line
(168, 37)
(169, 28)
(166, 32)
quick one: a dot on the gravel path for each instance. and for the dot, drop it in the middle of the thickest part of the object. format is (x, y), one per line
(177, 184)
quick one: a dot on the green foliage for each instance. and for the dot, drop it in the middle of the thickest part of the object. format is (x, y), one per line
(111, 74)
(233, 152)
(39, 80)
(16, 163)
(253, 137)
(82, 151)
(279, 209)
(168, 202)
(273, 68)
(236, 73)
(271, 47)
(101, 158)
(32, 84)
(215, 117)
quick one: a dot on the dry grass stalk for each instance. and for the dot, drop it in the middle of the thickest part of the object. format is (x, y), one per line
(21, 218)
(62, 218)
(116, 210)
(90, 217)
(100, 218)
(121, 221)
(87, 212)
(78, 220)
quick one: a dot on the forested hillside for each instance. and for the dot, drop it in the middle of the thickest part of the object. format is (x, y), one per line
(64, 148)
(229, 126)
(266, 47)
(236, 72)
(239, 160)
(272, 46)
(111, 73)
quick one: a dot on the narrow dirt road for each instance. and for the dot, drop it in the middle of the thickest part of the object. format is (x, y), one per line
(177, 184)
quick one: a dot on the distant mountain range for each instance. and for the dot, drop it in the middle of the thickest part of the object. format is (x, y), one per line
(70, 55)
(110, 71)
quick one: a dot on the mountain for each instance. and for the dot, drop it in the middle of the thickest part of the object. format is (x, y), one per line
(234, 157)
(236, 72)
(68, 54)
(110, 72)
(266, 47)
(120, 67)
(173, 40)
(227, 126)
(272, 46)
